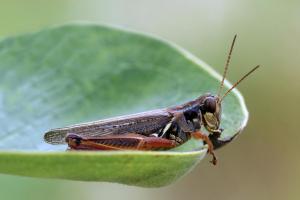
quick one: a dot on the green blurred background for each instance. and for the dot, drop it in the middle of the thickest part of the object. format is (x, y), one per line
(263, 163)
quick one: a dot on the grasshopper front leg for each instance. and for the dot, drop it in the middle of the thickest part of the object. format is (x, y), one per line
(199, 135)
(188, 128)
(119, 142)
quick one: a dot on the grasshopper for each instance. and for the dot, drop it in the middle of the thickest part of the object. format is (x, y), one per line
(160, 129)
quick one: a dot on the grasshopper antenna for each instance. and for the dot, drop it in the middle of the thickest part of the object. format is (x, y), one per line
(238, 82)
(226, 65)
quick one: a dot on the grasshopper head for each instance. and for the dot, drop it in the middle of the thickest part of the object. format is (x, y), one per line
(211, 105)
(211, 113)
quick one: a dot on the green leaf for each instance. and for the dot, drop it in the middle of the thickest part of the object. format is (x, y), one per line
(77, 73)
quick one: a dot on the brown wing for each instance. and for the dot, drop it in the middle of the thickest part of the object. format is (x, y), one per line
(144, 123)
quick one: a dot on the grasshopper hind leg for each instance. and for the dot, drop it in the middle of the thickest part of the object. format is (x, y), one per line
(129, 141)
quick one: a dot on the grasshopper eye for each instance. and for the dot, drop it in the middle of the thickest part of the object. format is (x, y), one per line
(210, 104)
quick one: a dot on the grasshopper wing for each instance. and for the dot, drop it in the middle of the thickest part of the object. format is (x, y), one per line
(144, 123)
